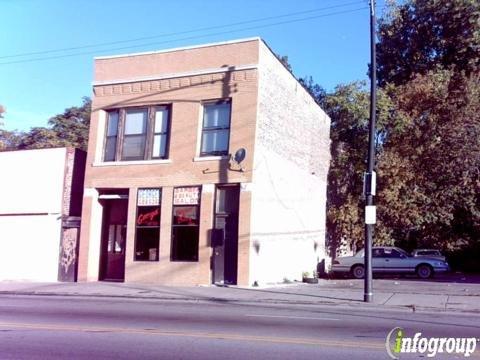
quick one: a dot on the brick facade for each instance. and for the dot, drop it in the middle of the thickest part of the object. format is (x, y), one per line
(184, 79)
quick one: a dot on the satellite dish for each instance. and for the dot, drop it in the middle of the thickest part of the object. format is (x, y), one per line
(240, 155)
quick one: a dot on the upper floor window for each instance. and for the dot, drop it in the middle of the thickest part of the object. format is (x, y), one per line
(216, 128)
(137, 134)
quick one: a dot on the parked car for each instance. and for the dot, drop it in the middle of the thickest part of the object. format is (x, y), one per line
(388, 259)
(430, 253)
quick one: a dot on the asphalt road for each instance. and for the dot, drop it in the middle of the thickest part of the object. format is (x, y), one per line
(53, 327)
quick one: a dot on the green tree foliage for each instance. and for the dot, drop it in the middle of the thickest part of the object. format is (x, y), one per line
(67, 129)
(428, 132)
(348, 107)
(72, 126)
(40, 138)
(317, 92)
(284, 60)
(428, 136)
(8, 139)
(2, 111)
(421, 35)
(430, 169)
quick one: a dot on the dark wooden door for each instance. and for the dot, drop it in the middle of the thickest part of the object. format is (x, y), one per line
(225, 246)
(112, 267)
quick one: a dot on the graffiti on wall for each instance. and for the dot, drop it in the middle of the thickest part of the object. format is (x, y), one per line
(68, 255)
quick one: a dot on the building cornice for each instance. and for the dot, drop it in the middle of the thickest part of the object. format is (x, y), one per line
(178, 48)
(176, 75)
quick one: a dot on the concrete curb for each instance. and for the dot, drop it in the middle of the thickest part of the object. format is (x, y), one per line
(211, 299)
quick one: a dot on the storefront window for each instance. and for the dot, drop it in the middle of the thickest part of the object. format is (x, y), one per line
(185, 224)
(147, 229)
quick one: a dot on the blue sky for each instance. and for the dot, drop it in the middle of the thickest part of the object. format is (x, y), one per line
(331, 44)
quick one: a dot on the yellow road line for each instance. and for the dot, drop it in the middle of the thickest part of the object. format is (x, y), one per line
(224, 336)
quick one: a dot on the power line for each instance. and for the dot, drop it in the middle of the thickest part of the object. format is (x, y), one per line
(180, 33)
(182, 39)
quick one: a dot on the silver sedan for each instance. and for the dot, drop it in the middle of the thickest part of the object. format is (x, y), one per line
(387, 259)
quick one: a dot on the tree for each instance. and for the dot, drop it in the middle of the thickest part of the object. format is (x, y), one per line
(67, 129)
(71, 128)
(421, 35)
(2, 111)
(284, 60)
(348, 108)
(317, 91)
(9, 140)
(430, 169)
(40, 138)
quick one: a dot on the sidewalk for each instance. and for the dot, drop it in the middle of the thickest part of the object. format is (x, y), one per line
(388, 294)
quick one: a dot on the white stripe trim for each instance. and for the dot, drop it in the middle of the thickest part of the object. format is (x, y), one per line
(176, 75)
(179, 48)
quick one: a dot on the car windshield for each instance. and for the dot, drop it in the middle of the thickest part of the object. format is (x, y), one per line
(429, 252)
(402, 252)
(359, 253)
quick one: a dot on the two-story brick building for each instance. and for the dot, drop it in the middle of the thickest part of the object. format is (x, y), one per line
(206, 164)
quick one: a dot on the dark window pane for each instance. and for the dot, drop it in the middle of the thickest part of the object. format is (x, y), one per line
(110, 148)
(159, 146)
(185, 215)
(161, 120)
(215, 141)
(148, 216)
(217, 115)
(220, 206)
(394, 254)
(120, 236)
(226, 200)
(185, 243)
(135, 122)
(133, 147)
(146, 245)
(112, 125)
(377, 253)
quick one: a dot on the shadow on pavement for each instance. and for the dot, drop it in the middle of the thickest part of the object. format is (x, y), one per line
(460, 278)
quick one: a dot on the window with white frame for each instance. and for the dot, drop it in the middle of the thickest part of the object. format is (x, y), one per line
(215, 128)
(137, 134)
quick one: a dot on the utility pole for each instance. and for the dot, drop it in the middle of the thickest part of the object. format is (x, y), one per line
(370, 176)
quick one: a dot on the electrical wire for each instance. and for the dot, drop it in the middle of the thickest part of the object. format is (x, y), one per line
(182, 39)
(180, 33)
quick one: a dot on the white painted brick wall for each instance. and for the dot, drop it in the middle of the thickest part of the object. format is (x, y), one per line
(32, 181)
(292, 155)
(29, 247)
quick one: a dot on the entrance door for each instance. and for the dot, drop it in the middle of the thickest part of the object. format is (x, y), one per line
(112, 265)
(225, 235)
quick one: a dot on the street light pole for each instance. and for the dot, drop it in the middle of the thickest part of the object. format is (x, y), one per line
(369, 179)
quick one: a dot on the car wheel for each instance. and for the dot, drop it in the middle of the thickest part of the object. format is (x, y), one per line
(424, 271)
(358, 271)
